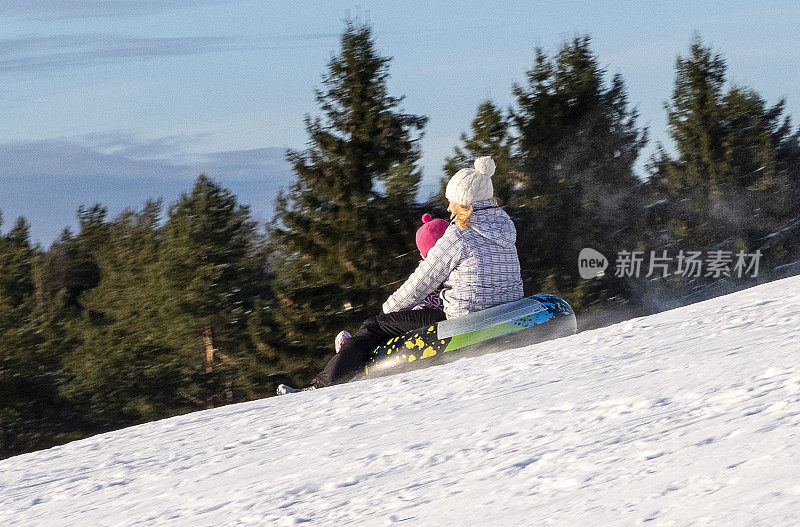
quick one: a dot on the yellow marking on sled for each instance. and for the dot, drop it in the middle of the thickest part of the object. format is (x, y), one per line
(411, 358)
(420, 343)
(429, 352)
(409, 344)
(430, 329)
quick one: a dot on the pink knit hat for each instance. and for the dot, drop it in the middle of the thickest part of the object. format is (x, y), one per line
(431, 230)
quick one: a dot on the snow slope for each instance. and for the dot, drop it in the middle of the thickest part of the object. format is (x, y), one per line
(688, 417)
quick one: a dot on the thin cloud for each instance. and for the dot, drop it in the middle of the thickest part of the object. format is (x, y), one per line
(70, 9)
(130, 146)
(123, 156)
(36, 53)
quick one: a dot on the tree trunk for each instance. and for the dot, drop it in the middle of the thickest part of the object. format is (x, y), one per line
(38, 282)
(208, 345)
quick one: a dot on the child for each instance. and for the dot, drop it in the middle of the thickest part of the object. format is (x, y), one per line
(427, 235)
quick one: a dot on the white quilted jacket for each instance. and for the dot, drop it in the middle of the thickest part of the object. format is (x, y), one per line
(478, 267)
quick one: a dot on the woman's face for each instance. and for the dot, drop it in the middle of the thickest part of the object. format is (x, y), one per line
(451, 207)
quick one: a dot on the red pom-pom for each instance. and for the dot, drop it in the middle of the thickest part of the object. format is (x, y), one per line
(426, 218)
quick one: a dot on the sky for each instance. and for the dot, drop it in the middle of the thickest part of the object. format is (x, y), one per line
(118, 101)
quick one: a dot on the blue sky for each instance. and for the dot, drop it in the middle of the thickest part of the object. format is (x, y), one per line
(120, 100)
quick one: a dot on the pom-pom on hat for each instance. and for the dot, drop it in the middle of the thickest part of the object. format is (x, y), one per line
(469, 185)
(432, 229)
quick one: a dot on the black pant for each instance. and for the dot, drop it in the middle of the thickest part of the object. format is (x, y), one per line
(375, 331)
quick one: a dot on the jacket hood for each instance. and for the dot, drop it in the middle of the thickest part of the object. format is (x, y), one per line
(493, 224)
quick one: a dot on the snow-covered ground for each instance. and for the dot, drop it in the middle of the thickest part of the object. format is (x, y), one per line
(688, 417)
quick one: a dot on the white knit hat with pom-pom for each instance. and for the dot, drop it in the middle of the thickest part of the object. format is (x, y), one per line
(469, 185)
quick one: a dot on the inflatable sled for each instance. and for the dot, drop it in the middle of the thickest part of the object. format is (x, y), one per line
(528, 321)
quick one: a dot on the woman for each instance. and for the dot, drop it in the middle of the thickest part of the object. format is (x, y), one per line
(475, 262)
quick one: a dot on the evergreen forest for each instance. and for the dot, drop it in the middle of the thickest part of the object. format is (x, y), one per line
(170, 308)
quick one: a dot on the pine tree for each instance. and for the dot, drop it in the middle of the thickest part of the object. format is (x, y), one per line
(343, 233)
(16, 287)
(167, 329)
(210, 275)
(16, 281)
(121, 370)
(696, 126)
(734, 180)
(577, 142)
(32, 415)
(81, 270)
